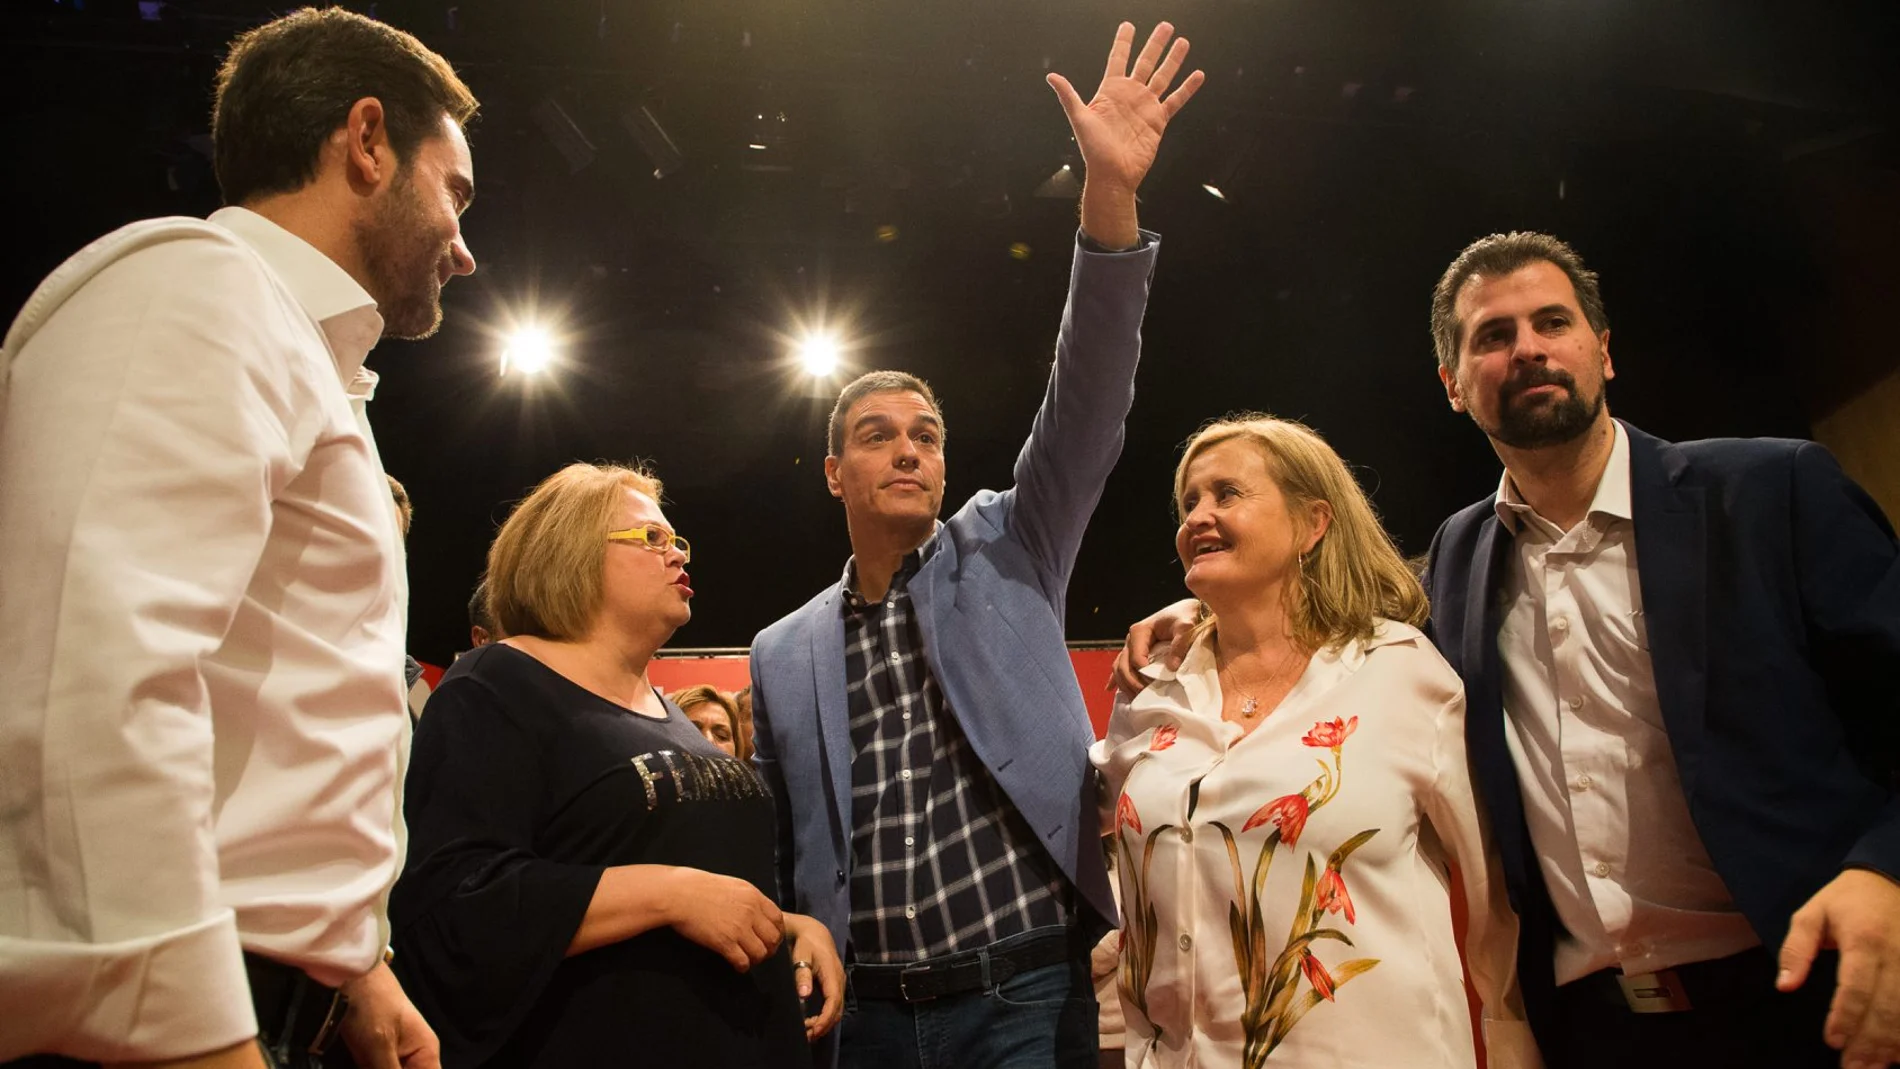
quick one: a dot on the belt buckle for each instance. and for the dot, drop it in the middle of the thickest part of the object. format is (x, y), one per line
(332, 1022)
(1654, 992)
(903, 984)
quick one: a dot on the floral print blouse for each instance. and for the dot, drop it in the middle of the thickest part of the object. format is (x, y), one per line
(1285, 898)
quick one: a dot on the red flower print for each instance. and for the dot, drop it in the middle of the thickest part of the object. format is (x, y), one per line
(1125, 815)
(1331, 736)
(1287, 813)
(1164, 737)
(1331, 896)
(1317, 975)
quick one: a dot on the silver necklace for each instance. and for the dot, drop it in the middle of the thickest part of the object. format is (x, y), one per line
(1250, 705)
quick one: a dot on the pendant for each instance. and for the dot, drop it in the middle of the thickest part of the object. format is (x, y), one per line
(1249, 706)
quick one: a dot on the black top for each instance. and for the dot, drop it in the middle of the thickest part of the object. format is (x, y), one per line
(523, 788)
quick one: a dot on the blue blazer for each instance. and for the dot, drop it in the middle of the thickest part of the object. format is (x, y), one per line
(1771, 586)
(989, 601)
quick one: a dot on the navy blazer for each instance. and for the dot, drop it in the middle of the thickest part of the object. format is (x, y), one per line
(989, 601)
(1771, 586)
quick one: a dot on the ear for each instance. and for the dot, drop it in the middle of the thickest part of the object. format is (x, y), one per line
(1450, 379)
(1319, 520)
(831, 478)
(1603, 343)
(369, 159)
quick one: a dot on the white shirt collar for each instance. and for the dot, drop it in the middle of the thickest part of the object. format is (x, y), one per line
(1197, 674)
(1613, 488)
(344, 309)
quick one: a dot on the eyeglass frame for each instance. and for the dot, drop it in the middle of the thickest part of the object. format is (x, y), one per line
(641, 537)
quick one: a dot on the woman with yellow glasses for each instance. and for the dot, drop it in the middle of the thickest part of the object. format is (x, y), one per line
(588, 877)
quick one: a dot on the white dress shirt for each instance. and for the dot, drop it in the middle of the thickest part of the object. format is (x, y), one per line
(1626, 870)
(202, 643)
(1182, 787)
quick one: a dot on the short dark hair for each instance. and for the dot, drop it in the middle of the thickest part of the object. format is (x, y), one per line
(1501, 254)
(288, 84)
(478, 614)
(877, 382)
(405, 509)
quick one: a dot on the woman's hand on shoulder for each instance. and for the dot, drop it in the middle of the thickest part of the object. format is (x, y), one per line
(815, 958)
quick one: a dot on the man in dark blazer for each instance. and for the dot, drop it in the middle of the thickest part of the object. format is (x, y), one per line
(1680, 663)
(919, 722)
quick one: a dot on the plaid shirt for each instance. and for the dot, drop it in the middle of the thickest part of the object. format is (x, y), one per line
(941, 861)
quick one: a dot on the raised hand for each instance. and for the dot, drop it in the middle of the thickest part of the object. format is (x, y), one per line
(1119, 130)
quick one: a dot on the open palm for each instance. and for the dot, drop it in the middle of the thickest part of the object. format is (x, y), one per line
(1120, 129)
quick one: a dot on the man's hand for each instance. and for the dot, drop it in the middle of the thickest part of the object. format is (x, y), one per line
(1858, 913)
(383, 1029)
(1172, 627)
(1120, 130)
(725, 915)
(815, 956)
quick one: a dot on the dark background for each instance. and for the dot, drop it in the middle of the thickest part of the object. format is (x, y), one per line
(1711, 158)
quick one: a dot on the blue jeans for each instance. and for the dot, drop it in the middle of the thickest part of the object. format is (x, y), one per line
(1038, 1019)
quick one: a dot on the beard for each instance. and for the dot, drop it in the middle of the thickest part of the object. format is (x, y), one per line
(400, 255)
(1564, 419)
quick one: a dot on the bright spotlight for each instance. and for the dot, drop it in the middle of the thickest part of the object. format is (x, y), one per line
(818, 354)
(1214, 190)
(529, 351)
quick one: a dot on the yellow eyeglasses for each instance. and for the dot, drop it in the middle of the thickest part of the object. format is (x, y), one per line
(654, 537)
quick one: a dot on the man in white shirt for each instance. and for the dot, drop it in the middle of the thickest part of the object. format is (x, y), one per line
(1679, 661)
(203, 639)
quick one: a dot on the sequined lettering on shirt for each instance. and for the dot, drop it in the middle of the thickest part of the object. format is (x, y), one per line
(670, 777)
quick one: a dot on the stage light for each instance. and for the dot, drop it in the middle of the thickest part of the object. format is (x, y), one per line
(529, 351)
(818, 354)
(564, 134)
(1230, 179)
(1062, 185)
(645, 129)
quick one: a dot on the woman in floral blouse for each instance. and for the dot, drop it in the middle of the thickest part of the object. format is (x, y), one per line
(1284, 804)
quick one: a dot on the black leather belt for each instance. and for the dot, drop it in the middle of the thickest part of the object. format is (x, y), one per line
(954, 974)
(1701, 984)
(295, 1014)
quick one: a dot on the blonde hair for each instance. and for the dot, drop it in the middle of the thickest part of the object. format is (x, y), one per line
(1354, 575)
(544, 570)
(704, 693)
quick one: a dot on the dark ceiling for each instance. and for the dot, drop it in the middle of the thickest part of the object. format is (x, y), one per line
(1360, 145)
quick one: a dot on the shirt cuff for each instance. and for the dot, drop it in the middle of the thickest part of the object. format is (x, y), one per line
(170, 996)
(1144, 239)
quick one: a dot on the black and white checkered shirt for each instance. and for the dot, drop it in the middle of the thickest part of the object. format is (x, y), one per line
(942, 861)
